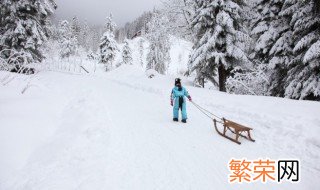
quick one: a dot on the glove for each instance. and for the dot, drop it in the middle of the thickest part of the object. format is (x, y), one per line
(171, 102)
(190, 99)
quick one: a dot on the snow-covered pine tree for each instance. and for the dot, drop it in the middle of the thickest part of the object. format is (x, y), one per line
(94, 38)
(303, 77)
(85, 34)
(220, 33)
(274, 43)
(153, 57)
(23, 27)
(141, 50)
(76, 28)
(108, 46)
(126, 53)
(158, 57)
(110, 26)
(68, 42)
(54, 32)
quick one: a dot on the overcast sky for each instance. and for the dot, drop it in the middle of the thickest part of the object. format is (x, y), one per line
(95, 11)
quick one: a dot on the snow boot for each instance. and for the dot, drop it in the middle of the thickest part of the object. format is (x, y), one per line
(175, 119)
(184, 121)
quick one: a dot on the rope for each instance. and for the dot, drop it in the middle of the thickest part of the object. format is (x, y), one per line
(206, 112)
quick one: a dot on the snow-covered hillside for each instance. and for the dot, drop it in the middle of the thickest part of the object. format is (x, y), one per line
(115, 131)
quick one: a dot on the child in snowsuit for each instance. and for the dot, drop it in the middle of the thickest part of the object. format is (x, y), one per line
(178, 101)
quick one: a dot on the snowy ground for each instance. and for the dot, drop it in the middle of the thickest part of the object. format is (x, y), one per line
(115, 131)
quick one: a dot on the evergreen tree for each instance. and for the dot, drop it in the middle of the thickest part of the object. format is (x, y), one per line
(95, 36)
(24, 27)
(141, 49)
(158, 57)
(85, 34)
(108, 46)
(68, 42)
(303, 77)
(110, 26)
(76, 28)
(274, 42)
(153, 58)
(126, 53)
(220, 33)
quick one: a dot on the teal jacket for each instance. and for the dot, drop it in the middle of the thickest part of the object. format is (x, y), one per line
(176, 93)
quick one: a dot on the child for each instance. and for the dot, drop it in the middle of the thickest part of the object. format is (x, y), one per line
(178, 101)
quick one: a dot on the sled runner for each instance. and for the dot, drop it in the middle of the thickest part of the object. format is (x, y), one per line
(235, 128)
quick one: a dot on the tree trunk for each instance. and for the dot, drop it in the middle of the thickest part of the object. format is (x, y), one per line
(222, 78)
(202, 82)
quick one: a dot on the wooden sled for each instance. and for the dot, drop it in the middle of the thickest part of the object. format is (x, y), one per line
(235, 128)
